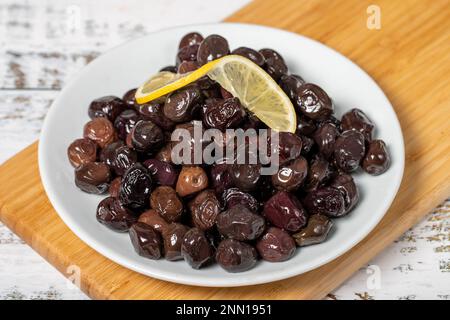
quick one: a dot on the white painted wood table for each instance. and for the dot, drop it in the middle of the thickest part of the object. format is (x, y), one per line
(43, 43)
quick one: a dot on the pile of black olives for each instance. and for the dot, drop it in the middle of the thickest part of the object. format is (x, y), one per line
(228, 213)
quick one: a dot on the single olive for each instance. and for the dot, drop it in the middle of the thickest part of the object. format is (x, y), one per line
(377, 159)
(240, 223)
(100, 130)
(154, 220)
(191, 179)
(285, 211)
(276, 245)
(173, 238)
(146, 241)
(93, 177)
(316, 231)
(111, 213)
(82, 151)
(314, 102)
(164, 199)
(204, 209)
(196, 248)
(109, 107)
(236, 256)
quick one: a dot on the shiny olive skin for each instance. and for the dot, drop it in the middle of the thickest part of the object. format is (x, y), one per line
(124, 157)
(240, 223)
(165, 201)
(146, 241)
(211, 48)
(223, 114)
(314, 102)
(82, 151)
(190, 39)
(290, 176)
(114, 187)
(163, 173)
(128, 97)
(109, 107)
(357, 120)
(154, 220)
(285, 211)
(236, 256)
(204, 209)
(326, 200)
(325, 138)
(111, 213)
(274, 63)
(346, 185)
(108, 153)
(146, 137)
(234, 196)
(181, 104)
(245, 176)
(100, 130)
(349, 150)
(250, 54)
(377, 159)
(290, 85)
(290, 146)
(93, 177)
(191, 179)
(305, 126)
(276, 245)
(126, 121)
(320, 171)
(196, 248)
(136, 187)
(153, 111)
(187, 53)
(173, 237)
(220, 178)
(316, 231)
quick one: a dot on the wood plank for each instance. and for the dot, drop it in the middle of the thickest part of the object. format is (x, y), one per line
(405, 57)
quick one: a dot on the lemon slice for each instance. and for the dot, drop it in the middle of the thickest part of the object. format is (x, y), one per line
(256, 90)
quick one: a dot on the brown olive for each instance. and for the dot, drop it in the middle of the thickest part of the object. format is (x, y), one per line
(316, 231)
(211, 48)
(276, 245)
(196, 248)
(190, 39)
(164, 199)
(111, 213)
(377, 159)
(173, 238)
(108, 107)
(146, 241)
(191, 179)
(291, 175)
(114, 187)
(240, 223)
(357, 120)
(236, 256)
(204, 209)
(93, 177)
(100, 130)
(325, 200)
(154, 220)
(285, 211)
(349, 150)
(82, 151)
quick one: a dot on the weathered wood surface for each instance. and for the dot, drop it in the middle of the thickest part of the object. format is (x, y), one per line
(36, 60)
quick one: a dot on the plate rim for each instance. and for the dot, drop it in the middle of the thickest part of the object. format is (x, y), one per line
(256, 279)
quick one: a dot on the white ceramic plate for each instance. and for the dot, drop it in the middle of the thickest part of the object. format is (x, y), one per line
(130, 64)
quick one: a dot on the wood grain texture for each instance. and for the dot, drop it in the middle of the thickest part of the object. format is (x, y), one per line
(406, 57)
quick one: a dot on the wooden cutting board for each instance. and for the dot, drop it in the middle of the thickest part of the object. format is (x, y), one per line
(408, 57)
